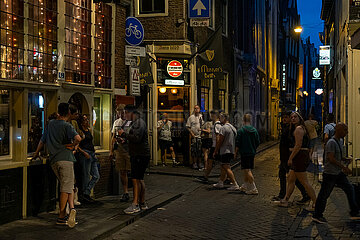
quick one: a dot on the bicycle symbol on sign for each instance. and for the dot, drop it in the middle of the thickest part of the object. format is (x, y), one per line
(133, 30)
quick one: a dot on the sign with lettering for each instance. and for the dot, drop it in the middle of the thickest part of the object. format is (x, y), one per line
(174, 68)
(135, 82)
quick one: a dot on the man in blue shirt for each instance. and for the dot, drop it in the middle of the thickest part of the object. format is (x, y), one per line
(61, 138)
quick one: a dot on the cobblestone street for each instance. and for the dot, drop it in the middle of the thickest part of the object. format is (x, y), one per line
(204, 213)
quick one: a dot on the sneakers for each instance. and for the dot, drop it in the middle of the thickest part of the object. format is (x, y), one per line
(88, 199)
(62, 221)
(175, 163)
(227, 182)
(320, 220)
(355, 217)
(72, 218)
(195, 166)
(284, 203)
(310, 208)
(253, 191)
(133, 208)
(202, 179)
(218, 185)
(303, 201)
(234, 188)
(243, 188)
(144, 206)
(125, 197)
(276, 199)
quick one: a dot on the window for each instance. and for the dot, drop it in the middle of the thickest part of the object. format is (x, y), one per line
(42, 47)
(204, 95)
(101, 121)
(103, 19)
(11, 39)
(222, 93)
(152, 6)
(224, 16)
(4, 122)
(78, 41)
(212, 15)
(36, 120)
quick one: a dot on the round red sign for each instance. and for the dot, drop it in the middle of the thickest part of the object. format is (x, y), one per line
(174, 68)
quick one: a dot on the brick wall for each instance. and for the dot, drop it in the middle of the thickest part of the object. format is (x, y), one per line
(121, 71)
(105, 185)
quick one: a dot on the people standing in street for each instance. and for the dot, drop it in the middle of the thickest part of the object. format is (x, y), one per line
(329, 129)
(299, 160)
(139, 156)
(225, 147)
(247, 141)
(284, 157)
(90, 169)
(165, 140)
(215, 130)
(62, 159)
(335, 171)
(311, 125)
(194, 123)
(120, 150)
(206, 139)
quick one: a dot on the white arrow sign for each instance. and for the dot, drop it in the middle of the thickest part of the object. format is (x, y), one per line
(199, 6)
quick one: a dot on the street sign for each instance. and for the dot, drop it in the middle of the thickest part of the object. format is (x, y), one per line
(134, 82)
(61, 76)
(131, 61)
(174, 68)
(199, 8)
(134, 31)
(134, 51)
(199, 22)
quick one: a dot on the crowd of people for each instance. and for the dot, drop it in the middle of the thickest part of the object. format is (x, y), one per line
(214, 139)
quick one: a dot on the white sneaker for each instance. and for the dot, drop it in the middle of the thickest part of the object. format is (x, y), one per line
(72, 218)
(253, 191)
(218, 185)
(243, 188)
(234, 188)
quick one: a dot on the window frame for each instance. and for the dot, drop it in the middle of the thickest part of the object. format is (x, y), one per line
(226, 17)
(9, 156)
(104, 111)
(138, 14)
(212, 20)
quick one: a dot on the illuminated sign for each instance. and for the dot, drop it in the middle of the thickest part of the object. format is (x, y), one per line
(319, 91)
(174, 69)
(316, 74)
(324, 55)
(283, 77)
(174, 82)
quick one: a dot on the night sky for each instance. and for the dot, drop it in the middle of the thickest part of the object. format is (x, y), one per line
(310, 11)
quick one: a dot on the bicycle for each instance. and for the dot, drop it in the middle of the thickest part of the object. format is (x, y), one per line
(133, 30)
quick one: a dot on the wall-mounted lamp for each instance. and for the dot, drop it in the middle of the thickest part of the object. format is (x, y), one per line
(162, 90)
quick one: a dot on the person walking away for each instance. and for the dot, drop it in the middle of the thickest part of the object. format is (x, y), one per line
(165, 140)
(62, 160)
(215, 130)
(329, 129)
(311, 125)
(91, 174)
(139, 156)
(299, 160)
(226, 148)
(206, 139)
(284, 167)
(247, 141)
(120, 150)
(194, 124)
(335, 171)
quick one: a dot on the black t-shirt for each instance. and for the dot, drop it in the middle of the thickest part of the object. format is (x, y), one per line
(87, 142)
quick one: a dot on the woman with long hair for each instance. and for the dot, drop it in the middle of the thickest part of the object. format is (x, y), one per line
(299, 160)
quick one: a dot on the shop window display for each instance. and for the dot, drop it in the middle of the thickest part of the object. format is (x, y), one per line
(11, 39)
(78, 41)
(42, 47)
(4, 122)
(103, 19)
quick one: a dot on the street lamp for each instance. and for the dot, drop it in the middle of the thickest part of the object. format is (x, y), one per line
(298, 29)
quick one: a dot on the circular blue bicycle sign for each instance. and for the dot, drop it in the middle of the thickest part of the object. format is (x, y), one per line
(134, 31)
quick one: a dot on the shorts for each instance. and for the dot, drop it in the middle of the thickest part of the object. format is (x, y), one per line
(312, 143)
(301, 161)
(138, 166)
(164, 144)
(206, 143)
(196, 147)
(64, 171)
(211, 154)
(247, 162)
(122, 160)
(226, 158)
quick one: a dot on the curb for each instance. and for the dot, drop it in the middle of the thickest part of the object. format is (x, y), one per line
(136, 217)
(235, 165)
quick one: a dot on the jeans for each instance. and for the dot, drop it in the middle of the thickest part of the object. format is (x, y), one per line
(283, 170)
(89, 169)
(328, 184)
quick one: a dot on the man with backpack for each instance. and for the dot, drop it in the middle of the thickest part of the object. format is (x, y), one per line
(247, 141)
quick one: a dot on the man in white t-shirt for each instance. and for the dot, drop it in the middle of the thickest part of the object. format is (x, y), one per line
(194, 123)
(119, 150)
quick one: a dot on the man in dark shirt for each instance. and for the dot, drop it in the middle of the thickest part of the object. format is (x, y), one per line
(284, 157)
(139, 152)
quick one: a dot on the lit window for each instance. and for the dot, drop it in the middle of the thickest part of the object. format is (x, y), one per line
(11, 39)
(101, 121)
(103, 19)
(152, 6)
(4, 122)
(78, 41)
(42, 47)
